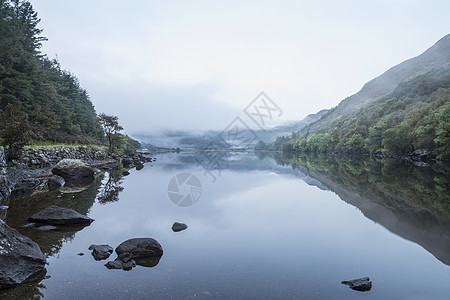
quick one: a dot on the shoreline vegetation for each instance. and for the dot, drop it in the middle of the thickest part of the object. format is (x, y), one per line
(403, 112)
(42, 104)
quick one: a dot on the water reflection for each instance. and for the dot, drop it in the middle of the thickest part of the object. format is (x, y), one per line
(259, 198)
(78, 195)
(31, 289)
(111, 187)
(412, 202)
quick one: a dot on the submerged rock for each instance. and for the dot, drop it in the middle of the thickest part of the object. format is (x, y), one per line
(46, 228)
(361, 284)
(20, 257)
(128, 163)
(114, 264)
(56, 215)
(55, 182)
(101, 252)
(72, 168)
(26, 186)
(176, 227)
(77, 185)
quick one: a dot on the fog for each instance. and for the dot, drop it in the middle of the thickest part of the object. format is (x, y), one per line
(178, 65)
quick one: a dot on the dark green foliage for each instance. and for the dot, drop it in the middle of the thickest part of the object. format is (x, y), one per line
(14, 130)
(111, 127)
(391, 183)
(416, 115)
(123, 144)
(272, 146)
(58, 108)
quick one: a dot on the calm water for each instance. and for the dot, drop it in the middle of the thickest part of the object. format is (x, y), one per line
(268, 227)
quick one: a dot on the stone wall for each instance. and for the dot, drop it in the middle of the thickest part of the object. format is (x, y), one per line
(44, 158)
(5, 188)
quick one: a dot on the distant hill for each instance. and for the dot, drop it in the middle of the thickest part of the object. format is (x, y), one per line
(286, 129)
(200, 140)
(405, 109)
(435, 57)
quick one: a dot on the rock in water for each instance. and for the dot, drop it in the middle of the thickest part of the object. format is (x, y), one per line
(179, 226)
(114, 264)
(361, 284)
(140, 248)
(26, 186)
(138, 251)
(72, 168)
(100, 252)
(46, 228)
(56, 215)
(55, 182)
(20, 257)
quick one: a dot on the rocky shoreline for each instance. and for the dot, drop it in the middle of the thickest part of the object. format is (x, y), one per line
(33, 169)
(48, 170)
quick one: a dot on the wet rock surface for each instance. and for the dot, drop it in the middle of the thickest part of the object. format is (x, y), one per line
(140, 248)
(361, 284)
(176, 227)
(55, 182)
(26, 186)
(20, 257)
(55, 215)
(145, 252)
(101, 252)
(73, 169)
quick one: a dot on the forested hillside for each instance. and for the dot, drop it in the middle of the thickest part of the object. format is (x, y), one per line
(415, 115)
(57, 107)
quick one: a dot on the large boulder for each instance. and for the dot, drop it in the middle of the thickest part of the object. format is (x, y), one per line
(73, 168)
(20, 257)
(140, 248)
(56, 215)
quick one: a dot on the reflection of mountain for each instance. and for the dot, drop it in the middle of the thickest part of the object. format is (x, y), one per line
(410, 201)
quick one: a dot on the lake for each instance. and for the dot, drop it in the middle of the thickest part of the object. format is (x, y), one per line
(261, 226)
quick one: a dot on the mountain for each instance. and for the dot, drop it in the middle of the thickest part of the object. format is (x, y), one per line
(286, 129)
(435, 57)
(199, 140)
(405, 109)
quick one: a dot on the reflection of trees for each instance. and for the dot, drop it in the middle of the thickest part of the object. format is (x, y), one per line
(30, 289)
(111, 188)
(413, 202)
(50, 242)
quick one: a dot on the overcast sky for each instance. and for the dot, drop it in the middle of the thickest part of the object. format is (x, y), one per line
(195, 65)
